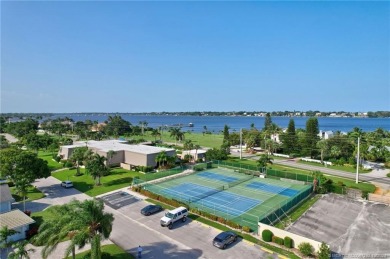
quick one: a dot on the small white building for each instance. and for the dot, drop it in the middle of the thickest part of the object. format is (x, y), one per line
(195, 154)
(13, 219)
(325, 134)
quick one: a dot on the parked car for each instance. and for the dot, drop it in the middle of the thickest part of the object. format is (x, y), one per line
(224, 239)
(172, 216)
(151, 209)
(67, 184)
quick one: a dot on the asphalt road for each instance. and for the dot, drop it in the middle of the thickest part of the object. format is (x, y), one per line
(369, 177)
(186, 240)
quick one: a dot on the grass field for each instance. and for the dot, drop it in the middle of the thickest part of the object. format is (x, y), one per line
(114, 252)
(32, 194)
(118, 178)
(48, 156)
(348, 169)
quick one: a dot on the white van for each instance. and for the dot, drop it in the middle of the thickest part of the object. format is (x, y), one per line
(172, 216)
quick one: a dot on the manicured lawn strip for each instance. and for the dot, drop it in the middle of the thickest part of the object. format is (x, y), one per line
(348, 169)
(221, 227)
(113, 250)
(32, 194)
(48, 156)
(299, 210)
(117, 179)
(351, 183)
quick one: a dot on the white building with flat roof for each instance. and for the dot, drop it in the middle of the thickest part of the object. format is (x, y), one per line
(124, 154)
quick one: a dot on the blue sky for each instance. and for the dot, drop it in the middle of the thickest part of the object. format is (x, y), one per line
(194, 56)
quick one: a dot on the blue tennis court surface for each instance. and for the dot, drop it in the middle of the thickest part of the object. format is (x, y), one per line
(219, 177)
(273, 189)
(188, 190)
(220, 201)
(232, 204)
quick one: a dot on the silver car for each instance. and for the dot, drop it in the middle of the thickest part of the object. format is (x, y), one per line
(224, 239)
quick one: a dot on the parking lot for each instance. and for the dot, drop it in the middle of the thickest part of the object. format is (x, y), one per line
(350, 227)
(119, 199)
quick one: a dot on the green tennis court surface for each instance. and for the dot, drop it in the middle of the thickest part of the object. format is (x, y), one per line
(241, 198)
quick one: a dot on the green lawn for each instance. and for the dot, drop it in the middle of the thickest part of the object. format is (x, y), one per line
(388, 175)
(118, 178)
(343, 168)
(113, 250)
(32, 194)
(48, 156)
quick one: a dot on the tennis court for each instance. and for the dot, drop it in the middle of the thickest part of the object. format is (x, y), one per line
(242, 198)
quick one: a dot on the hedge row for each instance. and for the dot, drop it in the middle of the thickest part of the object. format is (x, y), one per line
(268, 236)
(176, 203)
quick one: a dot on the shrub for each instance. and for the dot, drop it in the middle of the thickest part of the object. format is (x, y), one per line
(288, 242)
(267, 235)
(246, 229)
(57, 159)
(279, 240)
(305, 248)
(68, 164)
(31, 232)
(365, 195)
(324, 252)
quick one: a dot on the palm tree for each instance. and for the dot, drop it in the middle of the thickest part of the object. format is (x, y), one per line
(20, 251)
(161, 158)
(96, 167)
(5, 232)
(176, 134)
(110, 155)
(323, 146)
(77, 157)
(81, 222)
(155, 133)
(97, 224)
(196, 147)
(188, 145)
(264, 159)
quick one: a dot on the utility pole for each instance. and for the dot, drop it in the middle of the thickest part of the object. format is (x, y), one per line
(358, 161)
(240, 144)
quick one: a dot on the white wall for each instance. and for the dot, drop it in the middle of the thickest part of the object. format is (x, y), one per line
(297, 239)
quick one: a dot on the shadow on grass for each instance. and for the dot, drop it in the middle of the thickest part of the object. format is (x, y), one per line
(119, 181)
(83, 186)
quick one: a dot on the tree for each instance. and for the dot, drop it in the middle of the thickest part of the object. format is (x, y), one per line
(5, 233)
(264, 159)
(311, 136)
(81, 222)
(188, 145)
(77, 158)
(21, 186)
(110, 155)
(22, 167)
(324, 147)
(116, 126)
(20, 251)
(155, 133)
(196, 147)
(161, 158)
(177, 134)
(324, 252)
(143, 124)
(226, 133)
(290, 139)
(267, 122)
(96, 167)
(3, 142)
(305, 248)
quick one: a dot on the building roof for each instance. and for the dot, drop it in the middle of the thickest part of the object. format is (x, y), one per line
(5, 193)
(194, 151)
(119, 145)
(14, 219)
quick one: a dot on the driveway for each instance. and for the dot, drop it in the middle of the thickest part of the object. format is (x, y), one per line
(189, 240)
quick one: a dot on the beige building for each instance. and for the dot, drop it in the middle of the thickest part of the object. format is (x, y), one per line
(195, 154)
(124, 155)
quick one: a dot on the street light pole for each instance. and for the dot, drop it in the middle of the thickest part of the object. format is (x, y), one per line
(358, 161)
(240, 144)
